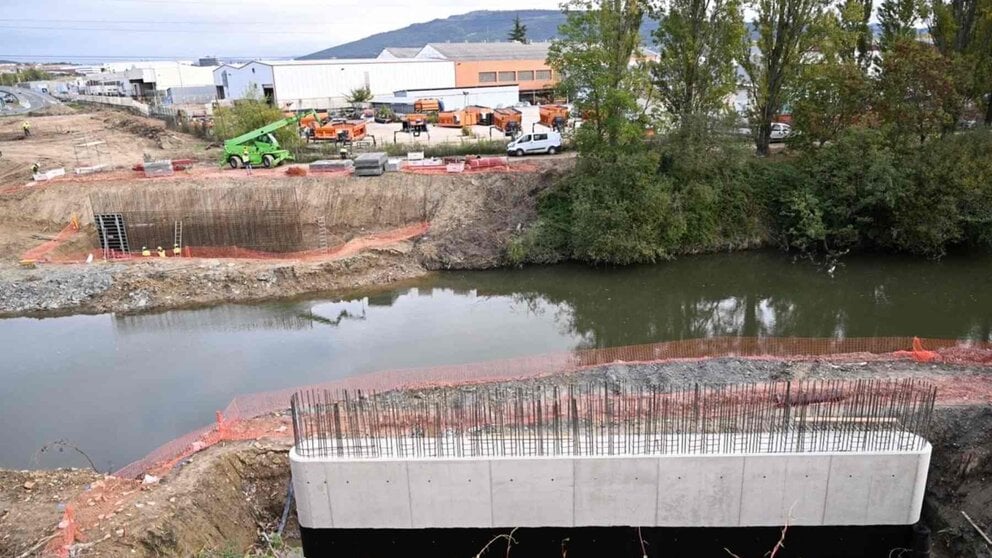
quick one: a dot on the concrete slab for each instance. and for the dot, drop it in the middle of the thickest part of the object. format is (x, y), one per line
(806, 488)
(448, 493)
(889, 494)
(533, 493)
(616, 490)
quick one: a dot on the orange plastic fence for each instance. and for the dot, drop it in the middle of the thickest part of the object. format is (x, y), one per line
(259, 416)
(870, 348)
(40, 251)
(349, 248)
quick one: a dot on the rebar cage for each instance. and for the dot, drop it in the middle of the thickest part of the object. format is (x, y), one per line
(603, 418)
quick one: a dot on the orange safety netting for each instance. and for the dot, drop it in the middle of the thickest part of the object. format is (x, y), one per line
(346, 249)
(39, 252)
(259, 416)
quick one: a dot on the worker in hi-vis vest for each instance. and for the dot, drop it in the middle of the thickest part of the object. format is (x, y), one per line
(176, 250)
(246, 159)
(27, 128)
(161, 252)
(145, 251)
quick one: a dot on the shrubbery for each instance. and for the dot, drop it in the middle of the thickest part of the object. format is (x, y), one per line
(857, 193)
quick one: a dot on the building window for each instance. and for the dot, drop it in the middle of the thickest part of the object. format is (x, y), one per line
(525, 75)
(487, 77)
(508, 76)
(544, 75)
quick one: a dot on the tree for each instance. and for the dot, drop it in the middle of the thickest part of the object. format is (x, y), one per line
(249, 113)
(854, 19)
(359, 95)
(787, 32)
(519, 32)
(962, 32)
(917, 97)
(834, 91)
(898, 20)
(697, 41)
(593, 57)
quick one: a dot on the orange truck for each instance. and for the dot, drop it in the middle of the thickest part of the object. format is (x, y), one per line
(553, 116)
(427, 105)
(468, 116)
(508, 120)
(415, 123)
(339, 130)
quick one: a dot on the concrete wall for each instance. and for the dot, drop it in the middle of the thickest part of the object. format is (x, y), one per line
(126, 102)
(814, 489)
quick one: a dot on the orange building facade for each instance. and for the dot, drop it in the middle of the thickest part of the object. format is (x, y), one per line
(493, 64)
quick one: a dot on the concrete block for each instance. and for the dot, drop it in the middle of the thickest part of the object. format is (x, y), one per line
(763, 493)
(616, 491)
(449, 493)
(310, 492)
(532, 492)
(848, 489)
(699, 491)
(369, 493)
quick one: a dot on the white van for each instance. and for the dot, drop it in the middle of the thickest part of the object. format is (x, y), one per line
(540, 142)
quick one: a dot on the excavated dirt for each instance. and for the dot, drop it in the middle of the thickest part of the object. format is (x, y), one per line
(470, 217)
(54, 142)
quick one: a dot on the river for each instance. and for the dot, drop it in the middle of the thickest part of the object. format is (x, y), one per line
(119, 386)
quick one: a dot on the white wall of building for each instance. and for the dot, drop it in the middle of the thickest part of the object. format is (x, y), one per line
(327, 85)
(236, 81)
(457, 98)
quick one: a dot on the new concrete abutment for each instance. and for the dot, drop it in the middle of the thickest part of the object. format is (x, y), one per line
(583, 463)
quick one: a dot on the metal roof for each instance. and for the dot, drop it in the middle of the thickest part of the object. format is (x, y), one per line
(492, 51)
(403, 52)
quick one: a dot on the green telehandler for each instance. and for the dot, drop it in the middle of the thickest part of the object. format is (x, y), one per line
(263, 148)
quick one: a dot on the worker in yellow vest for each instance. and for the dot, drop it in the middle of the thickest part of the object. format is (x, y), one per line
(161, 252)
(27, 128)
(145, 251)
(35, 168)
(176, 250)
(246, 159)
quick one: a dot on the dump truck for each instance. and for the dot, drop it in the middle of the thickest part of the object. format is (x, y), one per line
(263, 147)
(554, 116)
(508, 120)
(343, 131)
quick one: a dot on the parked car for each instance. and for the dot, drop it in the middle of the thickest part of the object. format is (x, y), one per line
(780, 131)
(542, 142)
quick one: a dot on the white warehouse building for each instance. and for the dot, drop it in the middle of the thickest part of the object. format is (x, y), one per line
(323, 84)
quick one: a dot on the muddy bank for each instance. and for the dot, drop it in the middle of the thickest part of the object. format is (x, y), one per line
(228, 496)
(470, 217)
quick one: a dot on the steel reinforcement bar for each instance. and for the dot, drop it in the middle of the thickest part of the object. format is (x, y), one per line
(598, 418)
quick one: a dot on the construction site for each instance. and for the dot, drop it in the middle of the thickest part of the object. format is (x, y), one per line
(290, 220)
(742, 444)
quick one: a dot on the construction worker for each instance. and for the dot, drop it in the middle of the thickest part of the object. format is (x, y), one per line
(146, 252)
(176, 250)
(35, 168)
(161, 252)
(27, 128)
(246, 159)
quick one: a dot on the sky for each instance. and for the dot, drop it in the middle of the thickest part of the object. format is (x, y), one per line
(99, 30)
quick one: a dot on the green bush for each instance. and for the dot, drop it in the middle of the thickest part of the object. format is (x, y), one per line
(249, 114)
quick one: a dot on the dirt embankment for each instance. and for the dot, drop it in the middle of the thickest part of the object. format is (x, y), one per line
(470, 219)
(227, 496)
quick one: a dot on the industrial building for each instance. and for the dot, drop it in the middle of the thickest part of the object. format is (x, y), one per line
(497, 63)
(451, 98)
(323, 84)
(490, 64)
(146, 80)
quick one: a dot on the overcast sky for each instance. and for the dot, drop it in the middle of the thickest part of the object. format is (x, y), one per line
(91, 30)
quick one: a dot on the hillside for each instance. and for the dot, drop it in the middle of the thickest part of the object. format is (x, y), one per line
(475, 27)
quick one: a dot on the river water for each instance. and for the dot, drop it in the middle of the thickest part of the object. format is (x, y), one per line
(119, 386)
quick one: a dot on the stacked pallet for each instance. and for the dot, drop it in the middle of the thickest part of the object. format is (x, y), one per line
(370, 164)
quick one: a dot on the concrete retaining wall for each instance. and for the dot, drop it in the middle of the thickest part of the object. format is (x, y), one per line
(814, 489)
